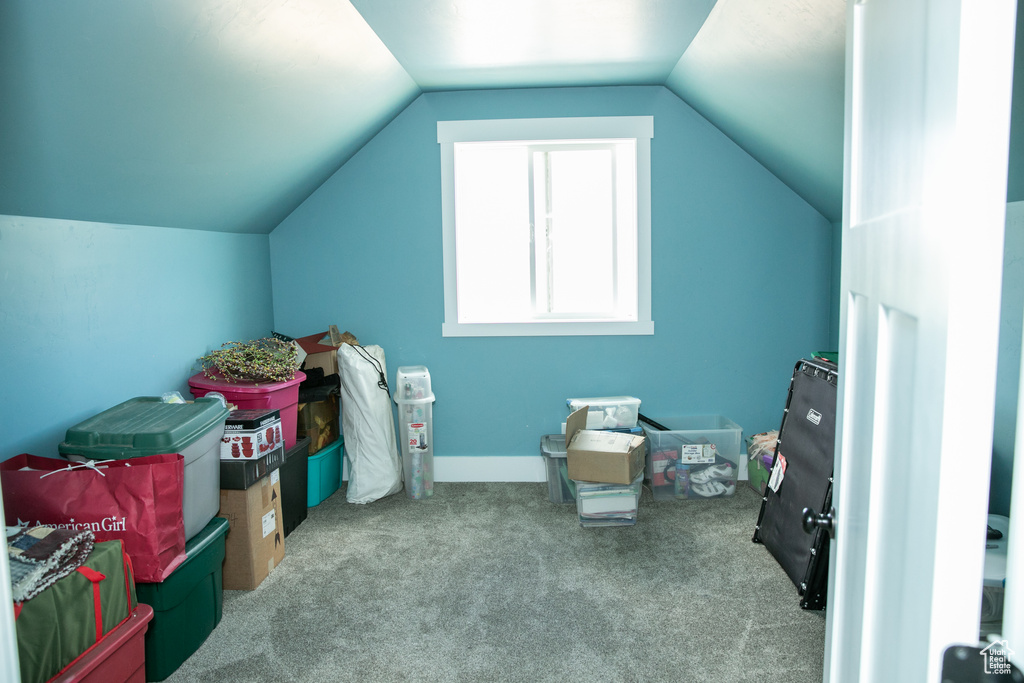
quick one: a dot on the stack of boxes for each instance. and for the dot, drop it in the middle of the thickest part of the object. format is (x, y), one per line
(252, 451)
(599, 462)
(319, 417)
(232, 462)
(259, 432)
(186, 605)
(605, 454)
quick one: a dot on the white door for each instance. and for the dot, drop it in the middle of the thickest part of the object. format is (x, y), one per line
(927, 130)
(10, 670)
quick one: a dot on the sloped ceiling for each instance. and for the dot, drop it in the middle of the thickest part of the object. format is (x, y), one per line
(226, 114)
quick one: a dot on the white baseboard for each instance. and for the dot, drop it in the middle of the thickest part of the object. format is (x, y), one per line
(483, 468)
(494, 468)
(490, 468)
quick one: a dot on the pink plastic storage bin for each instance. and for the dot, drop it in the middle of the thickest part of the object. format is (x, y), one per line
(119, 656)
(283, 396)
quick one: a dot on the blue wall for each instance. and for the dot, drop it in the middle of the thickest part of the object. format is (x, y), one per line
(741, 278)
(93, 314)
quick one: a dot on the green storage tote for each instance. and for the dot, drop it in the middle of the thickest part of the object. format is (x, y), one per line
(324, 469)
(187, 606)
(148, 426)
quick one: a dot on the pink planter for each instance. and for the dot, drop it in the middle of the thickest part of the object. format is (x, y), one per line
(283, 396)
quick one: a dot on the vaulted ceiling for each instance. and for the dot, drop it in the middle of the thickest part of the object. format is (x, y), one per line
(226, 114)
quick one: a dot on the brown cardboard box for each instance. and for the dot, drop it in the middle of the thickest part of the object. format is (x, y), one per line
(255, 541)
(322, 349)
(605, 457)
(319, 421)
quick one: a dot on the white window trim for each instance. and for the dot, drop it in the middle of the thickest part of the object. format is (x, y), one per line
(639, 127)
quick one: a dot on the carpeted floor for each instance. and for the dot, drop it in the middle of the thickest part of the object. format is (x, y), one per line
(493, 582)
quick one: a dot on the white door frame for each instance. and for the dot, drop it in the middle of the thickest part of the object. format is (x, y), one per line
(10, 670)
(927, 132)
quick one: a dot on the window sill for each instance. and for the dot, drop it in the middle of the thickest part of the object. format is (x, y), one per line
(546, 329)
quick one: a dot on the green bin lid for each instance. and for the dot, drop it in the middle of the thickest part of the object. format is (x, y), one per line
(143, 426)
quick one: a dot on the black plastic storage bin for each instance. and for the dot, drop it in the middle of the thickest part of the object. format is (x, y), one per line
(294, 484)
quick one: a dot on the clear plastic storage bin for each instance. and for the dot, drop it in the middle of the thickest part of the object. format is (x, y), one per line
(698, 457)
(561, 489)
(608, 412)
(323, 473)
(146, 426)
(608, 504)
(415, 429)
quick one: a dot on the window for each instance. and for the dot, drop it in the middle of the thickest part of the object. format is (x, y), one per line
(546, 226)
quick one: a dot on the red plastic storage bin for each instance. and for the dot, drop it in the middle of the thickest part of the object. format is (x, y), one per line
(119, 656)
(283, 396)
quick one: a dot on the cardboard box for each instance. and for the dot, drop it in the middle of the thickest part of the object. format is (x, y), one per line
(319, 421)
(255, 541)
(239, 475)
(321, 352)
(606, 457)
(251, 434)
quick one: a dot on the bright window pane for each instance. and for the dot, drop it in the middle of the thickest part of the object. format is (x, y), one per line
(582, 236)
(546, 233)
(492, 233)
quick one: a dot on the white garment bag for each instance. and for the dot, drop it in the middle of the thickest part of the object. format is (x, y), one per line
(368, 425)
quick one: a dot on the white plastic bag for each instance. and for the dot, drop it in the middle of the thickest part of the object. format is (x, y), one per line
(368, 425)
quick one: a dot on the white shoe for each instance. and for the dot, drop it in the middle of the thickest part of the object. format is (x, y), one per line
(714, 488)
(725, 470)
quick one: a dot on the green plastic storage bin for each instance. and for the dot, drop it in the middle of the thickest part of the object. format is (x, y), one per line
(324, 471)
(148, 426)
(187, 606)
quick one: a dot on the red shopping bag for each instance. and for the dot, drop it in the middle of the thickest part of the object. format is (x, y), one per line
(136, 500)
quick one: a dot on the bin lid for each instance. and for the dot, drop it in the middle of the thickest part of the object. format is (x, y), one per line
(143, 426)
(201, 381)
(553, 445)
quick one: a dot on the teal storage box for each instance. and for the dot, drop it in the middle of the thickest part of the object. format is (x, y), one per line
(187, 606)
(324, 471)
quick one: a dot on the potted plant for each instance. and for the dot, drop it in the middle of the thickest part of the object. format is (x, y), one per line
(260, 360)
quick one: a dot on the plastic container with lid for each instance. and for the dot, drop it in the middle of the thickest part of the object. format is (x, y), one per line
(414, 397)
(148, 426)
(561, 489)
(323, 472)
(187, 605)
(671, 478)
(413, 383)
(119, 656)
(600, 504)
(283, 396)
(608, 412)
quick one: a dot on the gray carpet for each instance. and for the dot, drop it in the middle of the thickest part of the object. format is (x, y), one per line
(493, 582)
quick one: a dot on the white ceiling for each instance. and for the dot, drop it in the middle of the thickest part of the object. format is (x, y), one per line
(226, 114)
(479, 44)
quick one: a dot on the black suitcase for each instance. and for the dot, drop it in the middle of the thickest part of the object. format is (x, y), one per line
(806, 444)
